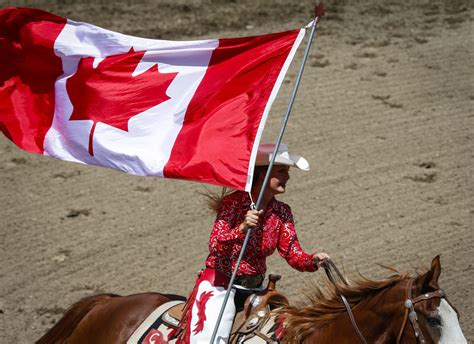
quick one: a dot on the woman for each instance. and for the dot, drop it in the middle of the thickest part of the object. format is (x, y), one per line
(272, 228)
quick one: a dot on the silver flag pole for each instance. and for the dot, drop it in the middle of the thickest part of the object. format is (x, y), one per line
(319, 12)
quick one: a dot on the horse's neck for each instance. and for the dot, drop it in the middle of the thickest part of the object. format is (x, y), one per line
(380, 316)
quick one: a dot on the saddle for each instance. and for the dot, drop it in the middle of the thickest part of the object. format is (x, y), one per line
(253, 323)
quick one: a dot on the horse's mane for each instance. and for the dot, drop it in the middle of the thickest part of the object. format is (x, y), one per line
(325, 305)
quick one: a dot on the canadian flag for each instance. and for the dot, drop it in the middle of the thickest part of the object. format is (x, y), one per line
(191, 110)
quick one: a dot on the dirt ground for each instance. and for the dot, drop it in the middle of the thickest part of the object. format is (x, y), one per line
(384, 114)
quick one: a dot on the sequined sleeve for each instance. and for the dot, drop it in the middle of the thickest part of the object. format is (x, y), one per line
(289, 246)
(226, 227)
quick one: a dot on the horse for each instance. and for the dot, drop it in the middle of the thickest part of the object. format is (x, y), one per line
(398, 309)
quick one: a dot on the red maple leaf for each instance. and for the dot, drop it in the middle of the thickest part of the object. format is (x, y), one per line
(154, 337)
(201, 305)
(111, 95)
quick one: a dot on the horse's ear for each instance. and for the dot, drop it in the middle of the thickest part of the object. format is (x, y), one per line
(436, 268)
(430, 279)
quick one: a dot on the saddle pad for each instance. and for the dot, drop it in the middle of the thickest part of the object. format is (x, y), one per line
(148, 328)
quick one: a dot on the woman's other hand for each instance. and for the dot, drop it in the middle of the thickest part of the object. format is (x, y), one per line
(251, 220)
(321, 259)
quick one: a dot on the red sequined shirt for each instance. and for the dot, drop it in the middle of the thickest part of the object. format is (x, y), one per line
(275, 230)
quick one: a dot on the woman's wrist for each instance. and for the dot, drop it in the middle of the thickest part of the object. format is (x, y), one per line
(320, 259)
(316, 262)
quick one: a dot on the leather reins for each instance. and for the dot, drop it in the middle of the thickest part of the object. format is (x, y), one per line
(410, 312)
(331, 265)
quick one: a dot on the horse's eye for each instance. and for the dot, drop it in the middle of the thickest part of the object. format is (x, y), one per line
(434, 321)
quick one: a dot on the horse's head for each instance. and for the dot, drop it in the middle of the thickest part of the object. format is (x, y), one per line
(429, 317)
(400, 308)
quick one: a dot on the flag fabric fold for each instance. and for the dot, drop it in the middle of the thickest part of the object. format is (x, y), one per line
(192, 110)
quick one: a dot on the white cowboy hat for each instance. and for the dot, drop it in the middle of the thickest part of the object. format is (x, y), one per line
(265, 151)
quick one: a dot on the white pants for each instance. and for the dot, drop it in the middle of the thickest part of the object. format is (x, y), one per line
(205, 311)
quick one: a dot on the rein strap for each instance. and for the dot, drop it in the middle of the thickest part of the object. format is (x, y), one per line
(331, 265)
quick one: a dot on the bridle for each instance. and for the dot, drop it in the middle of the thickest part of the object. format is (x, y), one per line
(409, 305)
(410, 312)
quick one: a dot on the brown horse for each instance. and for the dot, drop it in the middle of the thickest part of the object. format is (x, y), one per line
(398, 309)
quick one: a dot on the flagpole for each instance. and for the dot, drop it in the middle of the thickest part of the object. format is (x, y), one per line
(319, 12)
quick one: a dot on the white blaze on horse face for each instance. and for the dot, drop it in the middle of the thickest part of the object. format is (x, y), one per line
(450, 329)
